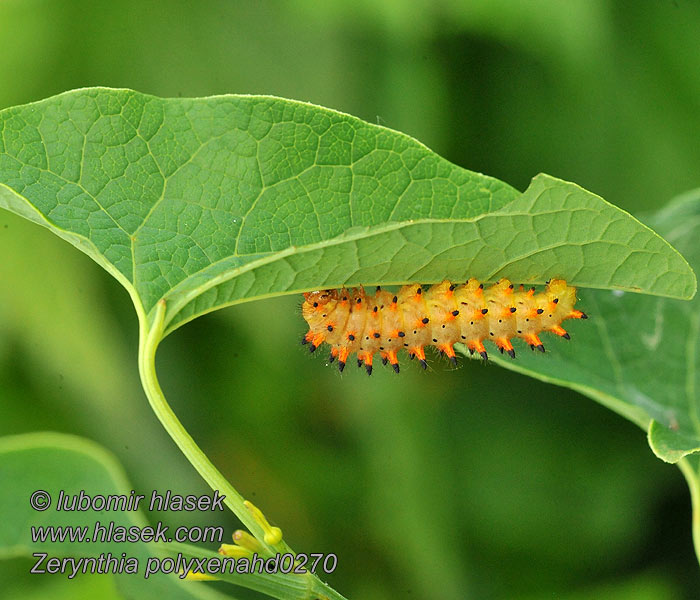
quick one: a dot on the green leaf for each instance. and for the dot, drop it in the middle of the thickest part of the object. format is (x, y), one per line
(640, 356)
(54, 462)
(26, 586)
(213, 201)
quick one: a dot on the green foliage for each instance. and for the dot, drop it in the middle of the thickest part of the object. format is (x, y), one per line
(58, 464)
(54, 463)
(638, 355)
(213, 201)
(193, 205)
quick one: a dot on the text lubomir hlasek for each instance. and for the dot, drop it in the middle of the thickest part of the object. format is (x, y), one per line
(132, 502)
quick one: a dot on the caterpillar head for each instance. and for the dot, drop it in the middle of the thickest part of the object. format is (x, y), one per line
(316, 302)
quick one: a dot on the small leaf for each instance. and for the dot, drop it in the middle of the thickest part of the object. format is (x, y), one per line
(56, 462)
(213, 201)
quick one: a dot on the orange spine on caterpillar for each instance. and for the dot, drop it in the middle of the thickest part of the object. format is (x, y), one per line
(352, 321)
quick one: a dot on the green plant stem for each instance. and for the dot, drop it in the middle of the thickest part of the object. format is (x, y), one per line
(149, 380)
(692, 476)
(150, 336)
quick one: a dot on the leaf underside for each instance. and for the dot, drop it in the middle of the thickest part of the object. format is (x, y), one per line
(212, 201)
(639, 355)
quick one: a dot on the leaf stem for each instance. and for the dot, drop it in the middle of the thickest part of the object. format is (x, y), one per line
(692, 476)
(147, 350)
(149, 338)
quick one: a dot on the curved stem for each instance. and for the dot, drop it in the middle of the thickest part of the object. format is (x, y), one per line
(149, 338)
(692, 476)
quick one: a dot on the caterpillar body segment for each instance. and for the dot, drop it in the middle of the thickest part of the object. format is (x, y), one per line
(351, 321)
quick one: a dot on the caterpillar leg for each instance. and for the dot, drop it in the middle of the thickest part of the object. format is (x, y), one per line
(393, 360)
(419, 353)
(316, 341)
(560, 331)
(534, 342)
(448, 351)
(505, 345)
(342, 358)
(368, 363)
(366, 359)
(478, 346)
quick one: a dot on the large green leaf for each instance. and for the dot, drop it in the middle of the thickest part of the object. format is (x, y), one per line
(640, 355)
(212, 201)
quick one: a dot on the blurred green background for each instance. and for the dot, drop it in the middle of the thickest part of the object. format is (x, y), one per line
(466, 483)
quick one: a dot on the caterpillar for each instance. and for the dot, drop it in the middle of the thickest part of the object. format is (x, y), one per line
(352, 321)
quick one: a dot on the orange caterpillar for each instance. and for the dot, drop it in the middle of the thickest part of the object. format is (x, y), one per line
(353, 321)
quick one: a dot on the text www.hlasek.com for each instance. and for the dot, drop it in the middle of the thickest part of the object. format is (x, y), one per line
(109, 532)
